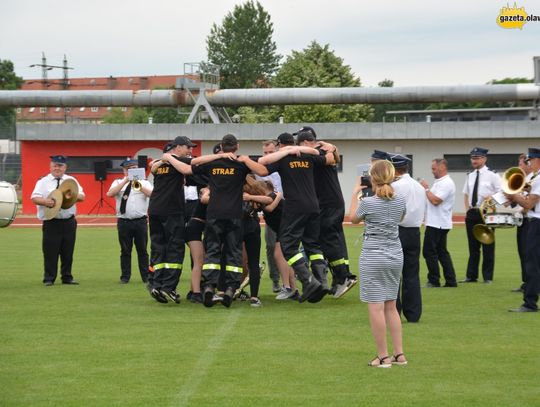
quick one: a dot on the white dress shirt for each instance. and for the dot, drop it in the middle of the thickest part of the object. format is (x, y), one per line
(415, 198)
(190, 193)
(440, 216)
(489, 183)
(137, 203)
(535, 190)
(44, 187)
(275, 179)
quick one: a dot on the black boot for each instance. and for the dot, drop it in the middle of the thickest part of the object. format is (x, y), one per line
(311, 288)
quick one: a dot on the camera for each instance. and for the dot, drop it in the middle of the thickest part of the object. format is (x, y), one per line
(366, 180)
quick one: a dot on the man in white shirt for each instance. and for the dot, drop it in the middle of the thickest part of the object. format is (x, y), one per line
(438, 222)
(409, 234)
(480, 185)
(531, 202)
(59, 233)
(132, 225)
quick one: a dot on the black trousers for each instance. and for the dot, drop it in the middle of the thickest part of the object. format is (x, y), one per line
(532, 265)
(409, 296)
(133, 231)
(296, 228)
(333, 243)
(252, 243)
(435, 251)
(58, 241)
(521, 237)
(488, 250)
(223, 235)
(270, 239)
(167, 250)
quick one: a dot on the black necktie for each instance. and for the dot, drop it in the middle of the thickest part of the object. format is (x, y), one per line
(474, 200)
(124, 199)
(58, 182)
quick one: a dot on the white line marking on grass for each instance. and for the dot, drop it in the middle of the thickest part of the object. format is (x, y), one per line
(205, 361)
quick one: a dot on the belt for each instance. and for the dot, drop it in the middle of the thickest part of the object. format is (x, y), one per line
(60, 219)
(132, 220)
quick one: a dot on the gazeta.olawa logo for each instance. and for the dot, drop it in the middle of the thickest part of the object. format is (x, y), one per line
(514, 17)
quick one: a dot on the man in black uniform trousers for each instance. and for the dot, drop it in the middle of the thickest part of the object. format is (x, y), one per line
(332, 213)
(132, 225)
(300, 220)
(480, 185)
(59, 233)
(223, 231)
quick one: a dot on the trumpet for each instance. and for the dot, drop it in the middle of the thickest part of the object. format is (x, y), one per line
(136, 185)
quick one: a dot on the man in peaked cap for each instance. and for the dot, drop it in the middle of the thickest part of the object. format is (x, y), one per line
(59, 233)
(132, 225)
(409, 297)
(531, 202)
(480, 184)
(379, 155)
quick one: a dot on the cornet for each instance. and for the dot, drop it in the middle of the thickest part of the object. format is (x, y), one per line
(136, 185)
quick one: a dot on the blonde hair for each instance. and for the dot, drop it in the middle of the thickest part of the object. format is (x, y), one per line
(382, 175)
(254, 187)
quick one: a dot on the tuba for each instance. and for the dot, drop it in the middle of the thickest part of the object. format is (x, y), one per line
(513, 181)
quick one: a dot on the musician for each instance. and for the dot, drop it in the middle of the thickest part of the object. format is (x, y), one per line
(59, 233)
(531, 203)
(132, 225)
(480, 184)
(438, 221)
(409, 297)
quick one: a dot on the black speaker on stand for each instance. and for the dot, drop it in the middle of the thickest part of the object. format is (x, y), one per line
(142, 161)
(100, 174)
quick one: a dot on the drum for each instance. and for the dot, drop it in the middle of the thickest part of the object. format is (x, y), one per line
(503, 220)
(8, 204)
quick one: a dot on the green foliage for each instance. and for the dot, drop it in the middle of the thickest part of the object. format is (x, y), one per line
(107, 344)
(243, 47)
(167, 115)
(318, 66)
(117, 116)
(8, 81)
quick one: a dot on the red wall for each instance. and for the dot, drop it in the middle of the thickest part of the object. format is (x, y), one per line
(35, 164)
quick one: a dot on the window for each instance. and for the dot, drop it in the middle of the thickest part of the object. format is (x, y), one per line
(124, 109)
(85, 164)
(31, 110)
(57, 109)
(67, 109)
(109, 108)
(42, 110)
(497, 162)
(94, 109)
(19, 110)
(82, 109)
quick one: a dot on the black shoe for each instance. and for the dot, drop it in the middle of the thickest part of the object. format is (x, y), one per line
(450, 285)
(431, 285)
(522, 309)
(310, 288)
(517, 290)
(318, 295)
(48, 283)
(208, 297)
(171, 295)
(70, 282)
(228, 297)
(158, 296)
(468, 280)
(488, 281)
(196, 298)
(124, 281)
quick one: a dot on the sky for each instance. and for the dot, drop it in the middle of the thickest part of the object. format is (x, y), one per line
(413, 42)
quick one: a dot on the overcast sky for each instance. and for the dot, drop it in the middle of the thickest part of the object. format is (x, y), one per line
(412, 42)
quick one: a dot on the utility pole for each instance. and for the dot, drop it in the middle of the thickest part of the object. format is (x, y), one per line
(45, 68)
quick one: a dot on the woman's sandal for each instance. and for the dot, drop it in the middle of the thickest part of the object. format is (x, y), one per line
(395, 360)
(381, 363)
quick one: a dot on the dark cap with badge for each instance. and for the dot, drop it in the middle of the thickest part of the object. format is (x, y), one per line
(58, 159)
(479, 152)
(183, 141)
(168, 147)
(533, 153)
(306, 131)
(286, 139)
(128, 162)
(380, 155)
(399, 160)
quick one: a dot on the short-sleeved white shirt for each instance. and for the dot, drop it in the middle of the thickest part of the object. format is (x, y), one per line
(440, 216)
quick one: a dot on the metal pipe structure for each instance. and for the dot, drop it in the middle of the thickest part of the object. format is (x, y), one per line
(272, 96)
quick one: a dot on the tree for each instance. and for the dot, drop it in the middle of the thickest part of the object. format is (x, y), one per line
(8, 81)
(242, 46)
(318, 66)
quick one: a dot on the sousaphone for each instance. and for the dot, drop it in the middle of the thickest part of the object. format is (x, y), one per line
(70, 191)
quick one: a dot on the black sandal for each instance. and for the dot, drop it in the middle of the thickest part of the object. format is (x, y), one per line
(395, 360)
(381, 362)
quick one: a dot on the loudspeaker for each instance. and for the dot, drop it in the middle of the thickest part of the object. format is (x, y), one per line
(142, 161)
(100, 170)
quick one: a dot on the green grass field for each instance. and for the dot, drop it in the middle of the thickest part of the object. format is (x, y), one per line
(106, 344)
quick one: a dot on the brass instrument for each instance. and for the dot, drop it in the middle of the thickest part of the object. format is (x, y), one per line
(513, 181)
(136, 185)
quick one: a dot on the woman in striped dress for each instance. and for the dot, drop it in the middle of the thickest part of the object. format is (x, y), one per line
(381, 259)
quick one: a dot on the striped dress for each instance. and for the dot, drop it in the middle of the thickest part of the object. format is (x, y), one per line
(381, 259)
